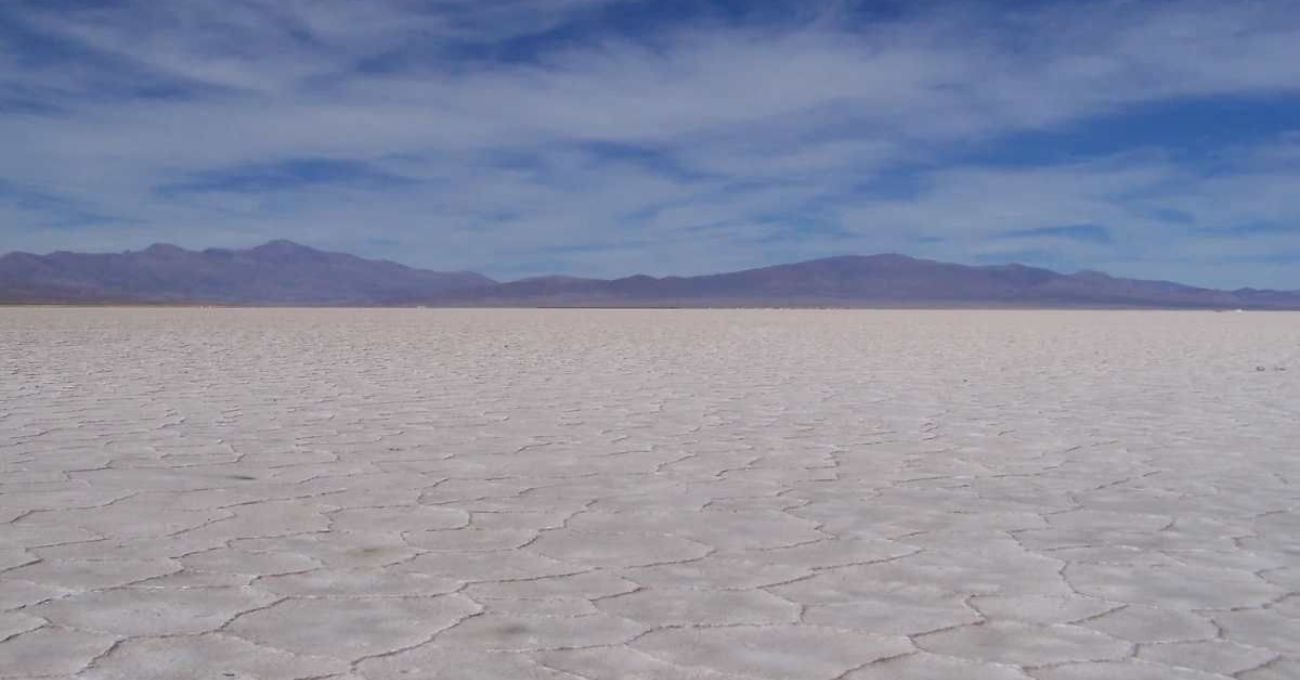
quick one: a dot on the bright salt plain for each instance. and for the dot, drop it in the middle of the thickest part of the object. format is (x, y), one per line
(275, 494)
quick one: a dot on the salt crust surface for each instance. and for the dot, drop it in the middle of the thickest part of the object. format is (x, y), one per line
(567, 495)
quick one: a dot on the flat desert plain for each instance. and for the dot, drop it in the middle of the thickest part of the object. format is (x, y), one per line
(603, 495)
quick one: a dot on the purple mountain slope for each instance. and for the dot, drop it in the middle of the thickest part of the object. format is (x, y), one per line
(874, 280)
(279, 272)
(285, 273)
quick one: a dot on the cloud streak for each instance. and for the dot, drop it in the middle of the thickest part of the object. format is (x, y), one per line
(520, 137)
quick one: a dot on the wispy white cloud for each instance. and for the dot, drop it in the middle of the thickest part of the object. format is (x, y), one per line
(694, 145)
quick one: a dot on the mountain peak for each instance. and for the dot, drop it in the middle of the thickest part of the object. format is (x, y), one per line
(856, 259)
(163, 249)
(282, 251)
(282, 246)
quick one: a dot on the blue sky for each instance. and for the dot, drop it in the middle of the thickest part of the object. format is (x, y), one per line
(605, 137)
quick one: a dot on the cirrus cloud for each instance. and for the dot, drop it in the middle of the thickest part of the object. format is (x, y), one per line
(610, 136)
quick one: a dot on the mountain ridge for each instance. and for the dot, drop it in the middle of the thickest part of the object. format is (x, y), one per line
(276, 272)
(282, 272)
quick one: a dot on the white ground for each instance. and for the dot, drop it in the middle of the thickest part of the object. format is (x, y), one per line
(210, 493)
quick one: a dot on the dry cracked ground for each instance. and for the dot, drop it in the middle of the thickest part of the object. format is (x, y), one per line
(603, 495)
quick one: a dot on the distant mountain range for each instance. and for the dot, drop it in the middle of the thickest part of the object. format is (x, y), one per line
(286, 273)
(275, 273)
